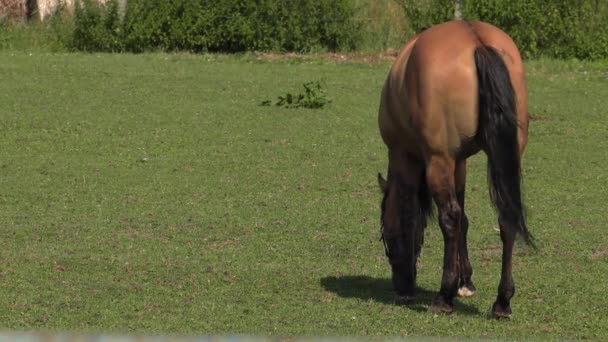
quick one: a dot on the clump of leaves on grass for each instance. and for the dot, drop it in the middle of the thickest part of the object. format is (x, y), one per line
(314, 96)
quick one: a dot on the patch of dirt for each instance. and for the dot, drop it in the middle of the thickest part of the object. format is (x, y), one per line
(490, 253)
(220, 245)
(547, 329)
(539, 118)
(354, 57)
(599, 254)
(493, 253)
(225, 276)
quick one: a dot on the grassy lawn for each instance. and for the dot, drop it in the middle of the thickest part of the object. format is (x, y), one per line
(152, 194)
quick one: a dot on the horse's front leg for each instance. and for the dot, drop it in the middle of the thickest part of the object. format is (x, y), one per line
(440, 178)
(400, 213)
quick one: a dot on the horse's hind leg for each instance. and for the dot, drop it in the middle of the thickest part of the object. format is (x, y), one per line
(506, 288)
(440, 178)
(466, 287)
(400, 216)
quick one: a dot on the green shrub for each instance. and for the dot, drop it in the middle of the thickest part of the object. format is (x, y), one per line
(423, 14)
(384, 25)
(556, 28)
(313, 97)
(161, 25)
(97, 27)
(217, 26)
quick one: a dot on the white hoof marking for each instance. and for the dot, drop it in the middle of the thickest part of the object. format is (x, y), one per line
(465, 292)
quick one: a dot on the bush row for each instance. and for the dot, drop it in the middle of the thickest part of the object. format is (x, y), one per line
(215, 25)
(556, 28)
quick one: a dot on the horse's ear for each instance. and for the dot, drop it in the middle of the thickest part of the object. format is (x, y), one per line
(382, 183)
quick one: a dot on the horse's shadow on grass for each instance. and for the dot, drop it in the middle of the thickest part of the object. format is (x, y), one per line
(381, 290)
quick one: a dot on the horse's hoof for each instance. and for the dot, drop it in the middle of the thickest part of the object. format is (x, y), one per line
(500, 312)
(466, 291)
(403, 300)
(440, 306)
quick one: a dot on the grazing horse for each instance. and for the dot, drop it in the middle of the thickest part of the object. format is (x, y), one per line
(454, 89)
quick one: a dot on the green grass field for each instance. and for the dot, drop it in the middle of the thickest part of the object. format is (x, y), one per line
(151, 194)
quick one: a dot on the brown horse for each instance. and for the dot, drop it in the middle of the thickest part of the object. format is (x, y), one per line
(455, 89)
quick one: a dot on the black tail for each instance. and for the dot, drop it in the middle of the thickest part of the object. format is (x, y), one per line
(498, 129)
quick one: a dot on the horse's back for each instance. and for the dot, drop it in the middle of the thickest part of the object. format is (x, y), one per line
(430, 98)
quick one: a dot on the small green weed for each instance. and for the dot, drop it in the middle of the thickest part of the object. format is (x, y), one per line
(313, 97)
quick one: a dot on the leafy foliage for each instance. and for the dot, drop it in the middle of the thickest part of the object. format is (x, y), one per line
(217, 26)
(559, 28)
(97, 27)
(313, 97)
(423, 14)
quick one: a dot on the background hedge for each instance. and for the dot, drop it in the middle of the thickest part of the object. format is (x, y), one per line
(556, 28)
(216, 26)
